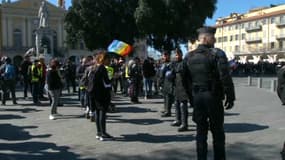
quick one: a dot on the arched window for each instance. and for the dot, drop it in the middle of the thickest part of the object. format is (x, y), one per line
(17, 38)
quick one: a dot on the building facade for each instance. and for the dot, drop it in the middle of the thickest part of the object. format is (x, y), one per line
(19, 22)
(258, 35)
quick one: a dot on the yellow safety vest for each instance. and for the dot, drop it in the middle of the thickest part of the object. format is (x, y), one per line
(127, 72)
(35, 78)
(110, 71)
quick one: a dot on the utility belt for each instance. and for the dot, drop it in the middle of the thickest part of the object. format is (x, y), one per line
(202, 88)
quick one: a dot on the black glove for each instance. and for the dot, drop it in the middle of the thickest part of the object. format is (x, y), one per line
(229, 104)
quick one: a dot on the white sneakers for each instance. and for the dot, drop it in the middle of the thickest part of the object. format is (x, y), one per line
(51, 117)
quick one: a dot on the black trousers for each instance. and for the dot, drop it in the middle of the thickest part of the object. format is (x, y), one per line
(70, 82)
(209, 112)
(181, 109)
(101, 117)
(27, 86)
(8, 85)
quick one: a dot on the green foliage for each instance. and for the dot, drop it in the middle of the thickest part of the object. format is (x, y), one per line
(168, 23)
(98, 22)
(165, 23)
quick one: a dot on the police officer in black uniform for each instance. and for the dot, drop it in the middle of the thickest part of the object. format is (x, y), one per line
(207, 70)
(166, 83)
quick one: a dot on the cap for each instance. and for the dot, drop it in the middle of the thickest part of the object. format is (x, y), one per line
(206, 29)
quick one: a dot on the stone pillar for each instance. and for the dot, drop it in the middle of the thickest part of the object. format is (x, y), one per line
(273, 85)
(29, 33)
(249, 80)
(38, 38)
(51, 45)
(10, 32)
(24, 34)
(259, 82)
(4, 31)
(59, 34)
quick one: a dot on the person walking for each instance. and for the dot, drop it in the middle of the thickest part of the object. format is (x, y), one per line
(54, 84)
(207, 71)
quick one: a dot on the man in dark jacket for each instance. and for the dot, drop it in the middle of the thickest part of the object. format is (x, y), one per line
(135, 74)
(181, 97)
(208, 73)
(166, 83)
(70, 75)
(25, 66)
(281, 84)
(148, 73)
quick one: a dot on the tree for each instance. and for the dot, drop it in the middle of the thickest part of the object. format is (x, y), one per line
(166, 23)
(99, 22)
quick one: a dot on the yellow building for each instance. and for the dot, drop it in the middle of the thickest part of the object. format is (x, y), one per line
(19, 21)
(253, 36)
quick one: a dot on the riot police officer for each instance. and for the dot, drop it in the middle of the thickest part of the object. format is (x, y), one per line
(207, 70)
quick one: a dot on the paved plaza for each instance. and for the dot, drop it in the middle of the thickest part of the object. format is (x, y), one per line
(255, 130)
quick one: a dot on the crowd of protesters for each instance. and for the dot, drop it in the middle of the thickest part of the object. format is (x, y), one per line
(132, 77)
(258, 69)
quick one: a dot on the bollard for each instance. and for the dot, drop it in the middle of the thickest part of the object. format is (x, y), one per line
(249, 81)
(259, 82)
(273, 85)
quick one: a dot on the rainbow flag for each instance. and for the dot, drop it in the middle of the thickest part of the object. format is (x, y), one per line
(119, 47)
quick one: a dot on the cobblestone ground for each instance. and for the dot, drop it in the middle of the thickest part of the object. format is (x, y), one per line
(255, 130)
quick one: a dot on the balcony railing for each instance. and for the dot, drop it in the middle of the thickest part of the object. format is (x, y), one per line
(254, 28)
(280, 24)
(280, 37)
(253, 40)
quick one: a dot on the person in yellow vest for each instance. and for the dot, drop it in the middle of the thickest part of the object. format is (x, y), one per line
(36, 75)
(110, 71)
(125, 78)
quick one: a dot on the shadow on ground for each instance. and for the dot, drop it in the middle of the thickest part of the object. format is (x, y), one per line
(134, 109)
(148, 138)
(237, 151)
(231, 114)
(148, 121)
(15, 133)
(10, 116)
(243, 127)
(37, 151)
(23, 110)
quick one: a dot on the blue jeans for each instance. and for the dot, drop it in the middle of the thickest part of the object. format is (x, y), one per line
(148, 86)
(54, 95)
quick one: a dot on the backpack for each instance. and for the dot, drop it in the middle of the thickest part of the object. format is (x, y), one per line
(10, 72)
